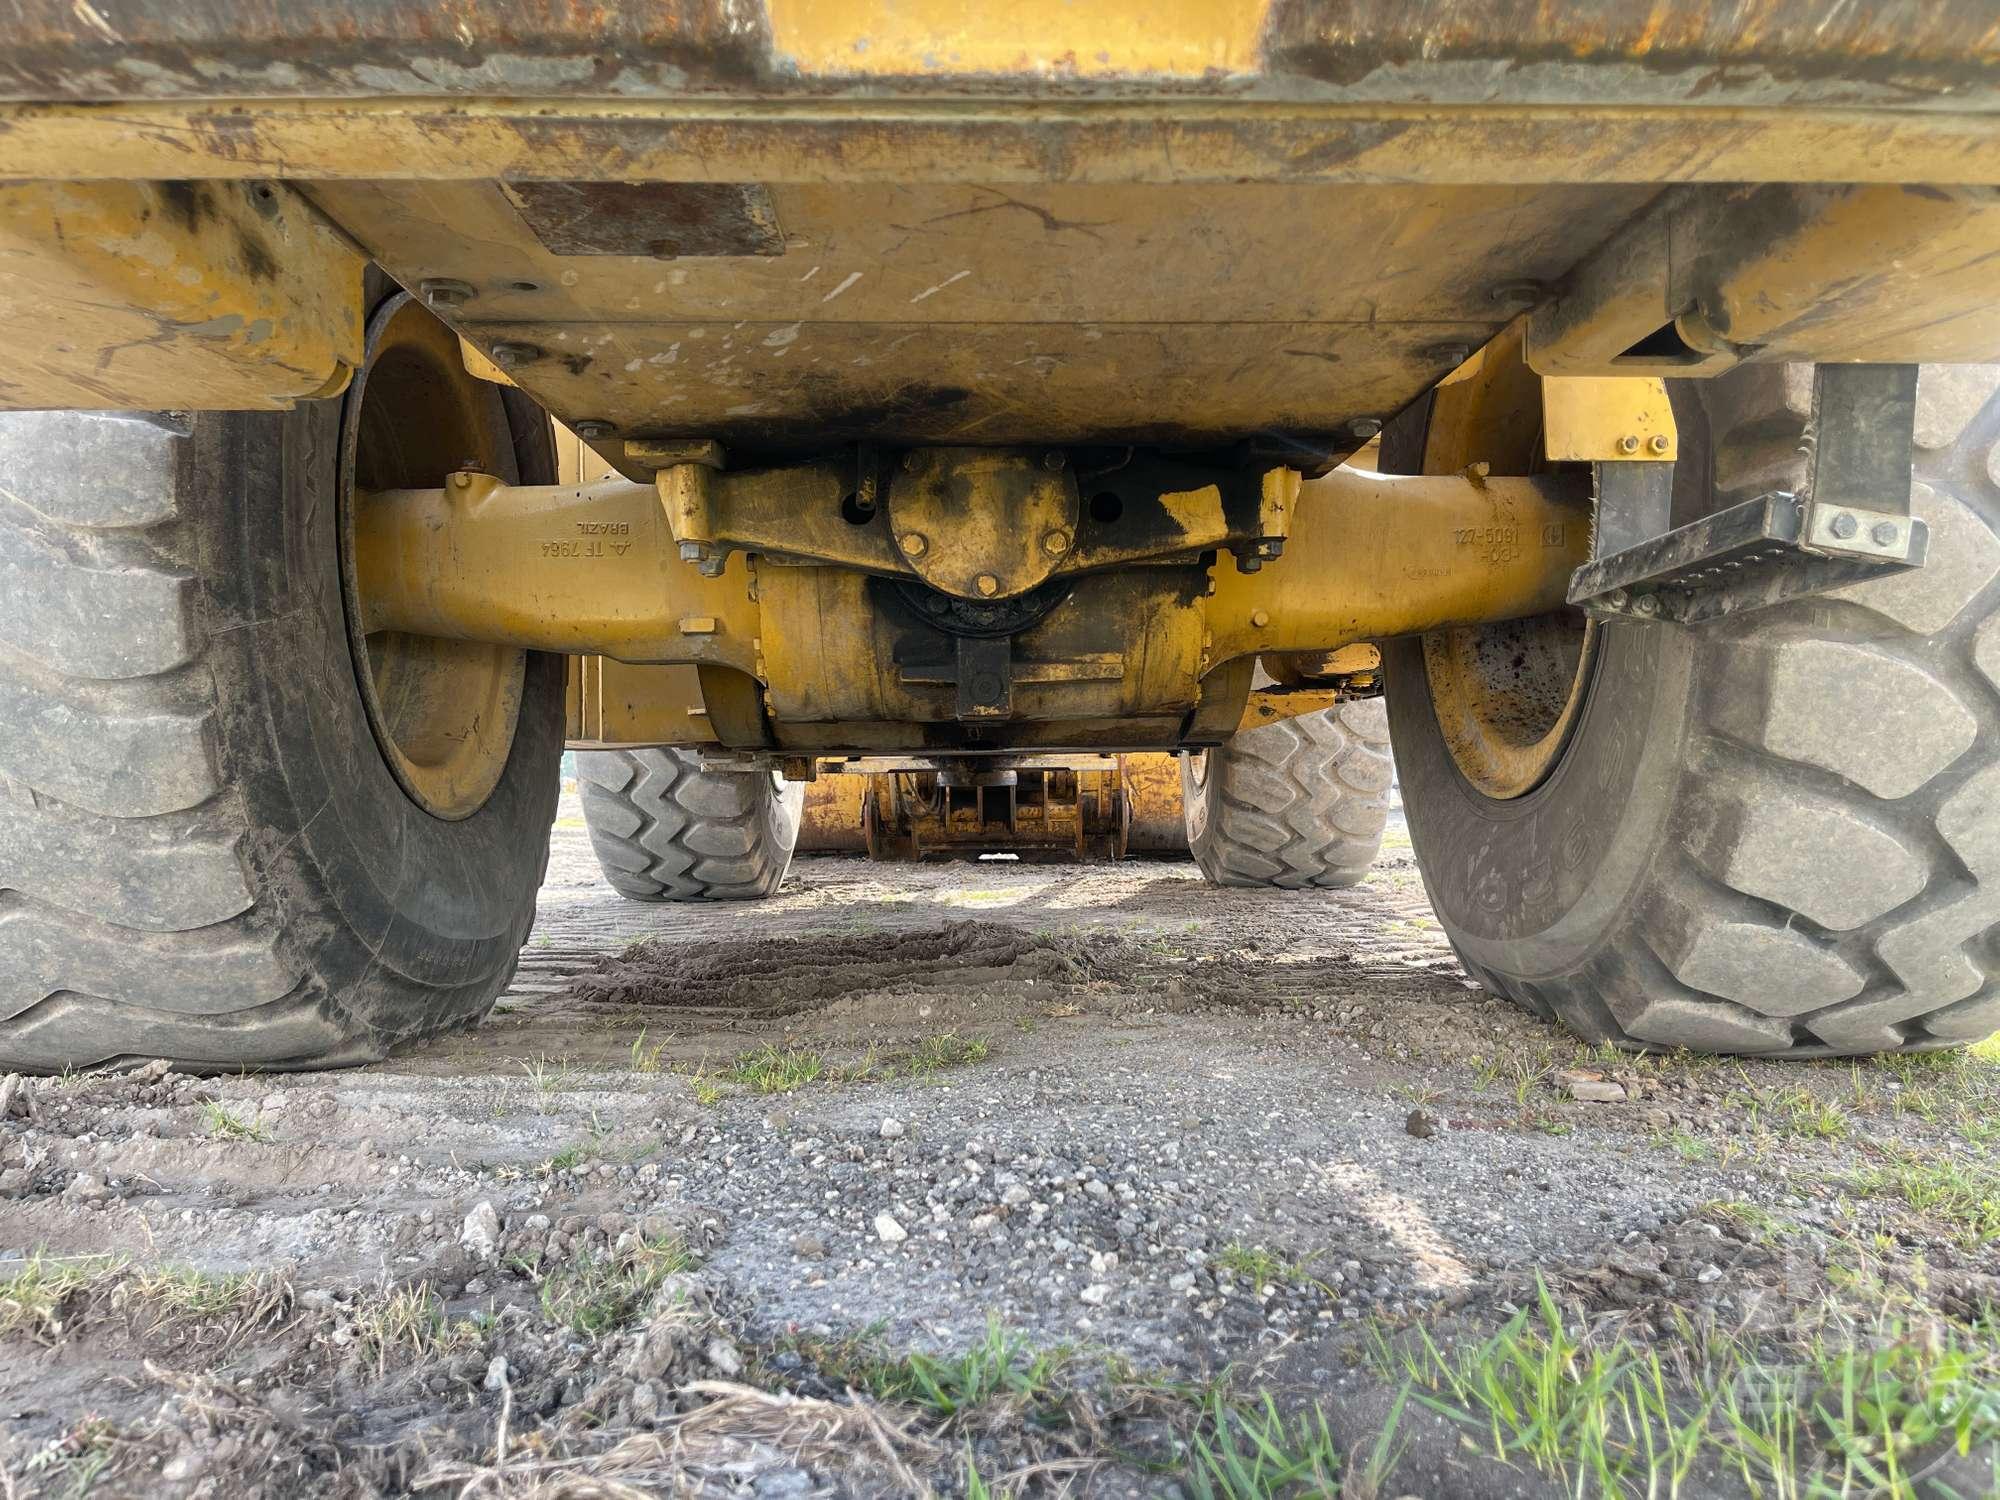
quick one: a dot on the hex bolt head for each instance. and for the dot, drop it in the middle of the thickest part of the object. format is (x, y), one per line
(1628, 443)
(913, 543)
(1055, 542)
(1616, 598)
(987, 584)
(1260, 618)
(1843, 525)
(513, 356)
(443, 293)
(1884, 533)
(1053, 461)
(1658, 442)
(593, 428)
(1364, 428)
(1646, 604)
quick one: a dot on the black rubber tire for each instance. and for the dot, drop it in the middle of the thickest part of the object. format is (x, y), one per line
(1775, 834)
(203, 855)
(1295, 805)
(668, 828)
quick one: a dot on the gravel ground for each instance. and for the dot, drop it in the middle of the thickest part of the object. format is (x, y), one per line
(1197, 1135)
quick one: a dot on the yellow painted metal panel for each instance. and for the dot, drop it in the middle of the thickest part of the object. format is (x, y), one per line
(996, 142)
(1059, 39)
(1592, 419)
(186, 295)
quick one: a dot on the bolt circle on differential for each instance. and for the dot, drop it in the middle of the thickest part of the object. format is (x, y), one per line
(981, 523)
(444, 712)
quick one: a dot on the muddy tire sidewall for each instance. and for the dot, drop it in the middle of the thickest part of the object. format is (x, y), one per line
(1544, 877)
(440, 903)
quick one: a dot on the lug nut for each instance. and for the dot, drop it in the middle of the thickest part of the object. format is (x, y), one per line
(1884, 533)
(987, 584)
(1055, 543)
(442, 293)
(1628, 444)
(1658, 442)
(1843, 525)
(593, 428)
(913, 543)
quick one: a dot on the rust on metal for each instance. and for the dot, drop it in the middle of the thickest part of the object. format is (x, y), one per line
(664, 220)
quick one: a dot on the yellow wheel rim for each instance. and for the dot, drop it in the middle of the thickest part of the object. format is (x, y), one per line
(1506, 696)
(444, 712)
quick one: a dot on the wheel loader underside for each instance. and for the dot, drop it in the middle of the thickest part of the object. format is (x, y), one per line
(953, 376)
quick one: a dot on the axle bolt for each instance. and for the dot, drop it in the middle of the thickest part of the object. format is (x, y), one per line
(1658, 442)
(1628, 444)
(593, 428)
(913, 543)
(1843, 525)
(444, 293)
(987, 584)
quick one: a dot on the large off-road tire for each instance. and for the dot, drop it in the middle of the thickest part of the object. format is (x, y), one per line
(1299, 804)
(1778, 833)
(668, 828)
(204, 855)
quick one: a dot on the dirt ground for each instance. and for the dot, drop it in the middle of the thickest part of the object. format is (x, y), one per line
(999, 1178)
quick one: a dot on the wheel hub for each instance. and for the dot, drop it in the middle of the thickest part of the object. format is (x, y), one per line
(444, 712)
(1507, 696)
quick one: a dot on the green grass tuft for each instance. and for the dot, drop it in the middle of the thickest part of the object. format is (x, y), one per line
(1256, 1453)
(597, 1294)
(771, 1071)
(227, 1126)
(1962, 1194)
